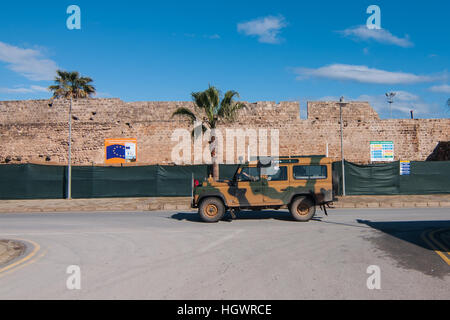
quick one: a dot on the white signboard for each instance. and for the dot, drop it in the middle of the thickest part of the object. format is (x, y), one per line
(381, 151)
(130, 151)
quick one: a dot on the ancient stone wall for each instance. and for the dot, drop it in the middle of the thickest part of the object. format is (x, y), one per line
(32, 131)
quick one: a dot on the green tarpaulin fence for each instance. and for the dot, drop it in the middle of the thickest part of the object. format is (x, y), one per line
(426, 177)
(29, 181)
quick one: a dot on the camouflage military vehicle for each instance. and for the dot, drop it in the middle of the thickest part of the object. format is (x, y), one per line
(297, 183)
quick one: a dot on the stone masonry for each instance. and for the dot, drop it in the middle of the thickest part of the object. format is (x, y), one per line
(32, 131)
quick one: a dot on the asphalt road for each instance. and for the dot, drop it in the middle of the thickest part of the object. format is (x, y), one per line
(171, 255)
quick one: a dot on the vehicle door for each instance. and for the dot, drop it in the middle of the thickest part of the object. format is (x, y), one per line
(275, 182)
(314, 178)
(247, 188)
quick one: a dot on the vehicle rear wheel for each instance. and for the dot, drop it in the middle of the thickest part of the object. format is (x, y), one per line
(302, 209)
(211, 210)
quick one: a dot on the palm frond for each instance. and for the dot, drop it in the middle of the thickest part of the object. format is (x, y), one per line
(228, 107)
(215, 109)
(185, 112)
(71, 85)
(213, 95)
(208, 101)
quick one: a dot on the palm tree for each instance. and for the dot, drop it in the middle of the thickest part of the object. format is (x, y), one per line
(69, 85)
(214, 111)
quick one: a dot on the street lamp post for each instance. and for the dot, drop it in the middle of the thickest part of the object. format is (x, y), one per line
(390, 99)
(341, 102)
(69, 166)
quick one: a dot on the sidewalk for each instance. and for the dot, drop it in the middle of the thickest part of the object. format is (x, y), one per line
(396, 201)
(98, 204)
(183, 203)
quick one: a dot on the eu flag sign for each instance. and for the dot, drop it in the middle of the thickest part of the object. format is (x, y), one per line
(115, 151)
(120, 150)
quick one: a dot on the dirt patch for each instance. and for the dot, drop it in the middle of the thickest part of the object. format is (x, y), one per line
(9, 250)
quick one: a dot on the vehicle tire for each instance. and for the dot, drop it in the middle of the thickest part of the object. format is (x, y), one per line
(302, 208)
(211, 209)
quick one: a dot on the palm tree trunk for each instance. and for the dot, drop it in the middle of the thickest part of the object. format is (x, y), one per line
(213, 146)
(215, 170)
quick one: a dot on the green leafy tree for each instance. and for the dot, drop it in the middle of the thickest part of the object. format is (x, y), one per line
(210, 109)
(70, 85)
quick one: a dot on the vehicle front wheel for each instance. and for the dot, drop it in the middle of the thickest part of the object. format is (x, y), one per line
(302, 209)
(211, 209)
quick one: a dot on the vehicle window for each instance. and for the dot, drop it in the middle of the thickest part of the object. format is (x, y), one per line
(249, 174)
(310, 172)
(276, 173)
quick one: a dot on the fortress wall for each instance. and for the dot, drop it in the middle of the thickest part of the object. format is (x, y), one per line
(31, 131)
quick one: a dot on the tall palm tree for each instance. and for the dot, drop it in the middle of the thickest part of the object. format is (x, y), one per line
(211, 110)
(70, 85)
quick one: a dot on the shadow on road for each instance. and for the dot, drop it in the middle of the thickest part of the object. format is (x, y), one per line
(411, 244)
(410, 231)
(243, 215)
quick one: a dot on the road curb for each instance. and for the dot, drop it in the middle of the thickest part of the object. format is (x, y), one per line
(183, 203)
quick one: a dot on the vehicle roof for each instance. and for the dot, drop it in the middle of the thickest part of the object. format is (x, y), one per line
(312, 159)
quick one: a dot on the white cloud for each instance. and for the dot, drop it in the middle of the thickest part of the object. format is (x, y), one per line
(361, 74)
(102, 95)
(405, 96)
(16, 90)
(444, 88)
(403, 103)
(23, 90)
(266, 29)
(30, 63)
(212, 36)
(379, 35)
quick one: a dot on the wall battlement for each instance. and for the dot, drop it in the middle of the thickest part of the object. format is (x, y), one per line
(31, 131)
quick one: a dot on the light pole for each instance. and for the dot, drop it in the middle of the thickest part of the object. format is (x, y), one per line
(69, 166)
(390, 99)
(341, 102)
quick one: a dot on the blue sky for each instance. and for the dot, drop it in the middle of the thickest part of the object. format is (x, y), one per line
(266, 50)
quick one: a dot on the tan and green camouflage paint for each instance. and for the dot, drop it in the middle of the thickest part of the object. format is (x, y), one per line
(266, 193)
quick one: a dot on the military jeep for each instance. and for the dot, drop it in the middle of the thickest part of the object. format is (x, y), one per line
(299, 183)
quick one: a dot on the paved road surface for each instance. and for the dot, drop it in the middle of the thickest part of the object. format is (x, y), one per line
(171, 255)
